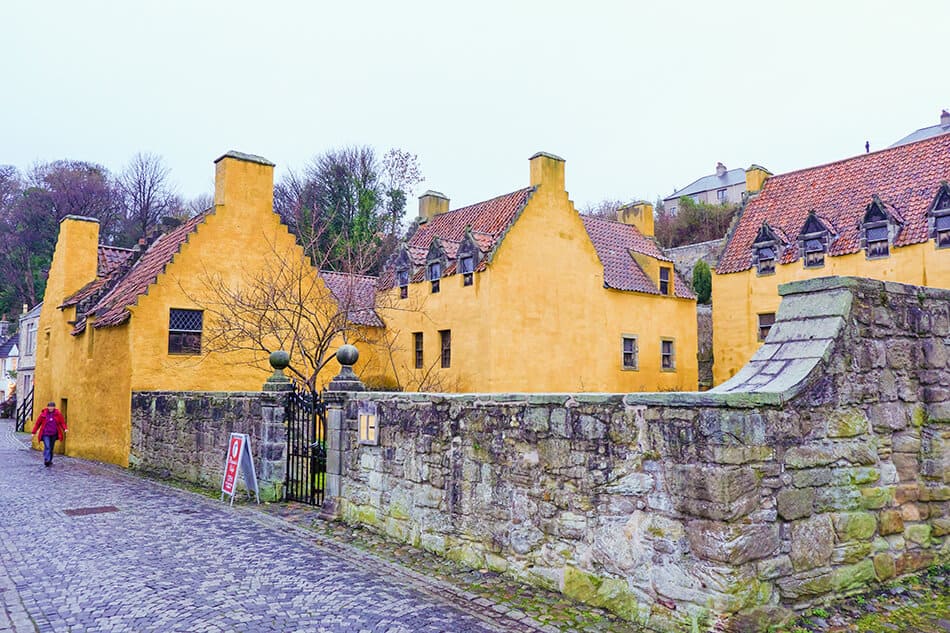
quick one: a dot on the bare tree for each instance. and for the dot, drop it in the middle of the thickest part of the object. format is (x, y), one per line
(604, 209)
(402, 173)
(147, 195)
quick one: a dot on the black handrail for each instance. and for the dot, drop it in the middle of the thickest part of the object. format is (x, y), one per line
(24, 411)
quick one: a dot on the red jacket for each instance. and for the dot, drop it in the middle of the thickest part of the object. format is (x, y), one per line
(57, 418)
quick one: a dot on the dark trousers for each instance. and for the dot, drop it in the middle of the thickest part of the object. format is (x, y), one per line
(48, 442)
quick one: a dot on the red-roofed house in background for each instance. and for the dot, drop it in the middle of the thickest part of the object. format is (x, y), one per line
(115, 321)
(521, 293)
(883, 215)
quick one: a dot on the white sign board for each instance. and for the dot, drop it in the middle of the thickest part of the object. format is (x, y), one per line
(239, 461)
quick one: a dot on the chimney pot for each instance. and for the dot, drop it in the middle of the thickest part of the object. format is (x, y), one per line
(945, 118)
(720, 170)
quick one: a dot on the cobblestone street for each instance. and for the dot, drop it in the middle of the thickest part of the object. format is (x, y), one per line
(161, 559)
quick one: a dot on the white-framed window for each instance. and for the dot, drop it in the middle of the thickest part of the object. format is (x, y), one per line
(629, 353)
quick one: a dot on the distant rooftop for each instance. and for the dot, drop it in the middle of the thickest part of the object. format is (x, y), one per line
(709, 183)
(927, 132)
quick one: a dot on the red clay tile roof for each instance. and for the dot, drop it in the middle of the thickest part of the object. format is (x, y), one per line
(356, 294)
(488, 220)
(613, 242)
(112, 308)
(906, 178)
(111, 257)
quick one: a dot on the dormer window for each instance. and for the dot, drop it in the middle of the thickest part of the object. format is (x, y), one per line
(765, 250)
(434, 274)
(876, 227)
(467, 268)
(940, 212)
(765, 260)
(814, 239)
(664, 280)
(814, 255)
(402, 280)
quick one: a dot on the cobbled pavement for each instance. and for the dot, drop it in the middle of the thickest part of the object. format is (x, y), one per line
(170, 560)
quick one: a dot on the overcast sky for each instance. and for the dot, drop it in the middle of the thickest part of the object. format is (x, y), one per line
(639, 98)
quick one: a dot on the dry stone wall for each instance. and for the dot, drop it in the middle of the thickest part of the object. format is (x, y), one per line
(820, 469)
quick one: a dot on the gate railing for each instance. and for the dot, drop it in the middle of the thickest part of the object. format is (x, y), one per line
(24, 411)
(306, 447)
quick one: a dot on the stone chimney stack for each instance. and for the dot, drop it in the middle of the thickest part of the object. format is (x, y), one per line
(432, 203)
(243, 179)
(945, 118)
(720, 170)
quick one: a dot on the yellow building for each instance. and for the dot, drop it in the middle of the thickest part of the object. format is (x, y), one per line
(883, 215)
(116, 321)
(521, 293)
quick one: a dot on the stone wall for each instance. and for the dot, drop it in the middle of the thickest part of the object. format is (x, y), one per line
(185, 435)
(685, 257)
(821, 468)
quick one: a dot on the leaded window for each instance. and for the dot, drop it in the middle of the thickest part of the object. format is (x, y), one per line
(184, 331)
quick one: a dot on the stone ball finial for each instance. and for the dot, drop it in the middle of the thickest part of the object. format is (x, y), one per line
(279, 360)
(347, 355)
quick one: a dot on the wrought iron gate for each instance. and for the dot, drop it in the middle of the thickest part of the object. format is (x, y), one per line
(306, 447)
(24, 410)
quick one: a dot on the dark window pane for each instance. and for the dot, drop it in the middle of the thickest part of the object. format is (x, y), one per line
(446, 340)
(877, 233)
(467, 279)
(184, 331)
(417, 345)
(467, 264)
(942, 222)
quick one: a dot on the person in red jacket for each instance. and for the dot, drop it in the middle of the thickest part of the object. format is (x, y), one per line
(50, 425)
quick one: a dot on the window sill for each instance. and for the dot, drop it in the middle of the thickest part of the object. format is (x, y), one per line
(629, 369)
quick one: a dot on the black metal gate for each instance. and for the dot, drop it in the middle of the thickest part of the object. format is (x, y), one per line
(306, 447)
(24, 410)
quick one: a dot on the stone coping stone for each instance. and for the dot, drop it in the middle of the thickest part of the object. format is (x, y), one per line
(685, 399)
(216, 394)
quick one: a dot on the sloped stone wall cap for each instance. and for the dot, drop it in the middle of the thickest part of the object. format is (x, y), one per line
(80, 218)
(738, 400)
(819, 284)
(250, 158)
(547, 155)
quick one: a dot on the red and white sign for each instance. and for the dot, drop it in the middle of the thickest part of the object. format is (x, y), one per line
(233, 465)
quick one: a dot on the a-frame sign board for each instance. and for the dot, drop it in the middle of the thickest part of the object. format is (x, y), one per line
(239, 460)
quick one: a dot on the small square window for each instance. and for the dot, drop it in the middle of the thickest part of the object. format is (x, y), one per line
(721, 195)
(667, 355)
(766, 321)
(417, 346)
(445, 339)
(629, 353)
(664, 280)
(184, 331)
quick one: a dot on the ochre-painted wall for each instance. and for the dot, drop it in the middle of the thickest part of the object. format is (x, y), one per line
(539, 319)
(97, 371)
(738, 298)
